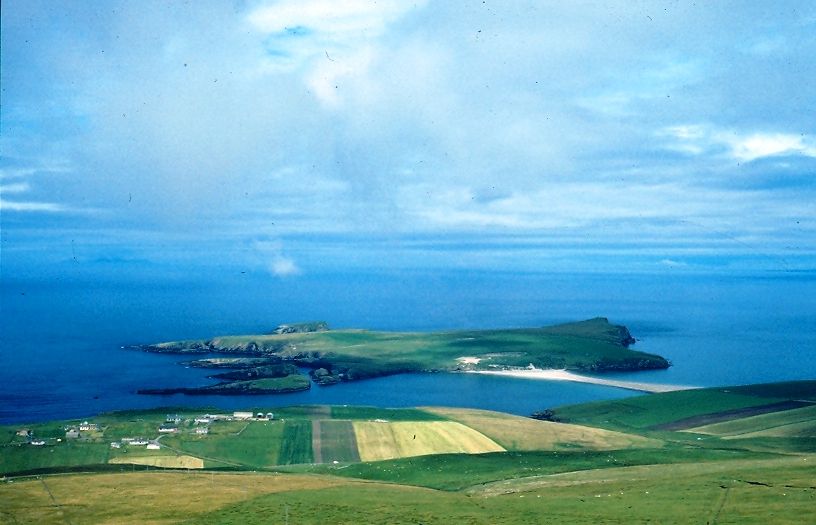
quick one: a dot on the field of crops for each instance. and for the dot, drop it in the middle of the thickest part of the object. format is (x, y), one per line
(752, 463)
(388, 440)
(522, 433)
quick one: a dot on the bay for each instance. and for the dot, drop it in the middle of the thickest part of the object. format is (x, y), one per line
(61, 352)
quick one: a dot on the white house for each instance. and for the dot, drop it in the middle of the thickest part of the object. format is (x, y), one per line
(202, 430)
(203, 420)
(153, 446)
(167, 429)
(116, 444)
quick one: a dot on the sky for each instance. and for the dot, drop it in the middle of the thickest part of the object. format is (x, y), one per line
(307, 137)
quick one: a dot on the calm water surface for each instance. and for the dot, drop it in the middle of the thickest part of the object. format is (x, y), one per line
(61, 355)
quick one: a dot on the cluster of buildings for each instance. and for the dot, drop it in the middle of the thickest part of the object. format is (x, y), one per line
(76, 431)
(260, 416)
(29, 435)
(87, 429)
(136, 442)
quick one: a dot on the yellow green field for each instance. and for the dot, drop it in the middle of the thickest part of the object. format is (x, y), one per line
(139, 497)
(388, 440)
(183, 461)
(798, 422)
(522, 433)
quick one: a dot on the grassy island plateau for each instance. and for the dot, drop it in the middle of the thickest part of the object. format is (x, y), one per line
(265, 364)
(741, 454)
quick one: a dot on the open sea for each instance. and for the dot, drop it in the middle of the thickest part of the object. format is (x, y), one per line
(61, 352)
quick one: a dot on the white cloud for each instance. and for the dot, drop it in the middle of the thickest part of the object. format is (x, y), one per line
(274, 260)
(758, 145)
(19, 187)
(334, 17)
(699, 139)
(298, 30)
(283, 266)
(31, 206)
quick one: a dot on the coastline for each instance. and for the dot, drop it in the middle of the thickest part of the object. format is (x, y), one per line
(564, 375)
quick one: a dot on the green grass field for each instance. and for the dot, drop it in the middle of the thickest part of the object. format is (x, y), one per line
(724, 492)
(388, 414)
(645, 412)
(297, 443)
(460, 471)
(17, 458)
(235, 443)
(750, 468)
(800, 422)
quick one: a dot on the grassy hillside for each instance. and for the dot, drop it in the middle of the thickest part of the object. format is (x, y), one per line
(521, 433)
(737, 492)
(689, 408)
(631, 461)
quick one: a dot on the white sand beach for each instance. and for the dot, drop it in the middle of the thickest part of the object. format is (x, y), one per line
(563, 375)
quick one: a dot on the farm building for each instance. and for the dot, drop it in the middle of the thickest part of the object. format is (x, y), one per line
(88, 427)
(38, 442)
(203, 420)
(116, 444)
(72, 433)
(242, 415)
(153, 446)
(24, 432)
(202, 430)
(167, 429)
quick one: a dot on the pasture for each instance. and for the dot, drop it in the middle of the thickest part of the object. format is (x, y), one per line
(800, 422)
(687, 408)
(724, 492)
(522, 433)
(388, 440)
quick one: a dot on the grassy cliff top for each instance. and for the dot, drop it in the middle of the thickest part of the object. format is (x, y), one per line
(591, 345)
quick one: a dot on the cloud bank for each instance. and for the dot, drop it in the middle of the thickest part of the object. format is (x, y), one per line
(677, 126)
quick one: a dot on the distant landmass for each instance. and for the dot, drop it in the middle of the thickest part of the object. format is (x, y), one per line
(269, 363)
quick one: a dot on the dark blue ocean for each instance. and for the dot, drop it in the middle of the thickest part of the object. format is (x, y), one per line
(61, 344)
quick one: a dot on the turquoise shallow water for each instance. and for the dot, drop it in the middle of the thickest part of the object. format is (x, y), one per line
(61, 355)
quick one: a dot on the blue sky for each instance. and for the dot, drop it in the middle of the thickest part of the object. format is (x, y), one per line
(303, 137)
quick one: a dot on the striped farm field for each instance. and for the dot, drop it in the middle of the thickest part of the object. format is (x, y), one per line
(337, 441)
(389, 440)
(799, 422)
(161, 461)
(523, 433)
(297, 443)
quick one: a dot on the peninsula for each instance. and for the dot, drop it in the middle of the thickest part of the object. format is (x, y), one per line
(271, 363)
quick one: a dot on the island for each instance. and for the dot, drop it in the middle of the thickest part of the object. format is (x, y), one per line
(271, 363)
